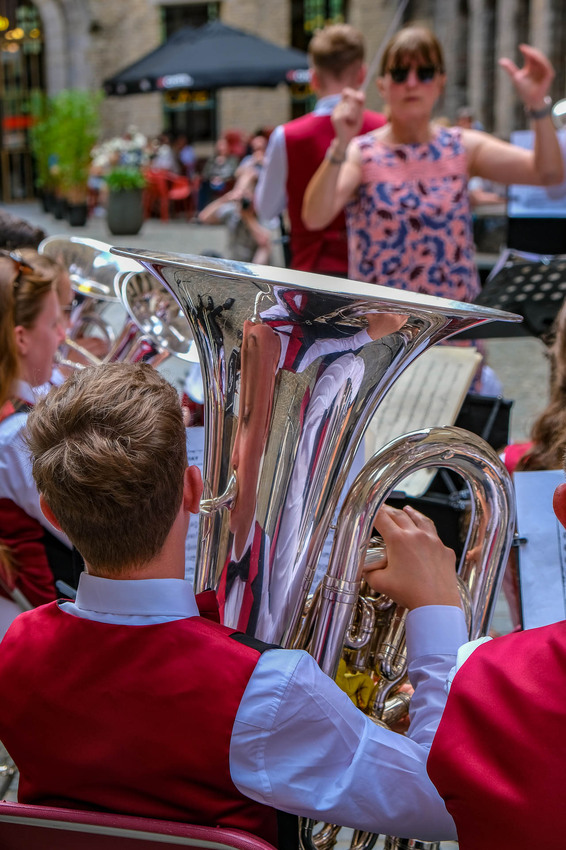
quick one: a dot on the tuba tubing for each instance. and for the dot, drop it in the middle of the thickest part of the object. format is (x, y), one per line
(489, 540)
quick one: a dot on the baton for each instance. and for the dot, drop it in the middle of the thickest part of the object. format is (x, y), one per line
(395, 21)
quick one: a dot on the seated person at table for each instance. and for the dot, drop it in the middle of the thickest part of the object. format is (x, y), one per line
(233, 729)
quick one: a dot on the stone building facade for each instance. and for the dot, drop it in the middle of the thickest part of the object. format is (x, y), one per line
(85, 41)
(88, 40)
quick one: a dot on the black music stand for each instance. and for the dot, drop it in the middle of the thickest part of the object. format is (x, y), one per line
(532, 285)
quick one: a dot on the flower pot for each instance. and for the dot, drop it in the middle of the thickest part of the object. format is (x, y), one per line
(125, 212)
(77, 214)
(59, 208)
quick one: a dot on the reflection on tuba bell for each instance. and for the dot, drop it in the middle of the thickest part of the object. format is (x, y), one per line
(97, 307)
(294, 367)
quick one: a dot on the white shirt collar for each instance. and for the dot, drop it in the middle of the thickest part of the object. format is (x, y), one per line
(170, 598)
(326, 105)
(25, 391)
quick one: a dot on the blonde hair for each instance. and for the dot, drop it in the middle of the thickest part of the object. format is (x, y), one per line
(336, 48)
(412, 42)
(21, 301)
(109, 455)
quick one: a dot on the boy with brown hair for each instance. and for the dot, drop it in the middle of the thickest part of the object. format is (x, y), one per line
(296, 149)
(132, 671)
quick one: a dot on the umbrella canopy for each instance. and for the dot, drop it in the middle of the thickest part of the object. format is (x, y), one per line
(210, 57)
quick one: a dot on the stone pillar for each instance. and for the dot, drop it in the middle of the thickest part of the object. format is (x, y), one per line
(476, 52)
(505, 98)
(540, 25)
(54, 45)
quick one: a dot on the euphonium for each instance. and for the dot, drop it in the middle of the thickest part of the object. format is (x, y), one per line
(294, 367)
(155, 320)
(97, 308)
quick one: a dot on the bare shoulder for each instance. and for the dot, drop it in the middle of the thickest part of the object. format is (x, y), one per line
(473, 139)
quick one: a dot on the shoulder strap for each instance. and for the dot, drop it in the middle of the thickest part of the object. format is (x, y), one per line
(253, 643)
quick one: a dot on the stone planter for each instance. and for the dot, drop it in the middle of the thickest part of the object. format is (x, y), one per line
(124, 215)
(77, 214)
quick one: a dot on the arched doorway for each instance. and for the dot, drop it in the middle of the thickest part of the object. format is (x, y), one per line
(22, 82)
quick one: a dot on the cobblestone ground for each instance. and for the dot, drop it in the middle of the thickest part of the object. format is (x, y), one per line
(520, 363)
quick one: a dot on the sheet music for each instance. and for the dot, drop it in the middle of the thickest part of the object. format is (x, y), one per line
(429, 393)
(542, 559)
(195, 457)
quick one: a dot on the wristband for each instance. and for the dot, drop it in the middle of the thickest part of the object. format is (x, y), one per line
(333, 158)
(537, 114)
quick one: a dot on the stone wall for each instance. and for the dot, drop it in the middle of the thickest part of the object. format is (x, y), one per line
(88, 40)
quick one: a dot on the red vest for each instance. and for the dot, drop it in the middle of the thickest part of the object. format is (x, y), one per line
(307, 139)
(513, 454)
(25, 537)
(499, 756)
(132, 719)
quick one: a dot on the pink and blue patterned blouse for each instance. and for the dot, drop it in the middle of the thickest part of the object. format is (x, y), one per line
(410, 225)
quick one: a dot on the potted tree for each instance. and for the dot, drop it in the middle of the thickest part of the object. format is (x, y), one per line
(125, 213)
(41, 135)
(76, 119)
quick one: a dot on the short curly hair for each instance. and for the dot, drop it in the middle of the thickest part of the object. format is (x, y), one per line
(108, 451)
(336, 48)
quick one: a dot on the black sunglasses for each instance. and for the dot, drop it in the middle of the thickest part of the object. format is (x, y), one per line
(22, 267)
(425, 73)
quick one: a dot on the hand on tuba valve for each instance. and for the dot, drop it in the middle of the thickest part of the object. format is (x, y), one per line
(419, 569)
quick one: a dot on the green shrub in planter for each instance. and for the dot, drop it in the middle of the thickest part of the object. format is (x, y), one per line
(124, 177)
(76, 119)
(125, 200)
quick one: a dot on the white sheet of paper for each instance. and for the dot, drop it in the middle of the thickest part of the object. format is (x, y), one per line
(195, 456)
(429, 393)
(542, 559)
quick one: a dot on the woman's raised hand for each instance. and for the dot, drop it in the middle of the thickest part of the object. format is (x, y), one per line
(348, 116)
(533, 80)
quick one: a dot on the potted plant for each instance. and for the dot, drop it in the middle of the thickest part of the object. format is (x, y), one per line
(125, 200)
(76, 118)
(41, 137)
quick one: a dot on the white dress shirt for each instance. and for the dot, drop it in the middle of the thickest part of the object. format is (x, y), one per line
(16, 480)
(298, 742)
(270, 197)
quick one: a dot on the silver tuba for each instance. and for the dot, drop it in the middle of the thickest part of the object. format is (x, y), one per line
(294, 367)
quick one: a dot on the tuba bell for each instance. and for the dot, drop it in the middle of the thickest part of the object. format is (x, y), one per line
(294, 367)
(97, 307)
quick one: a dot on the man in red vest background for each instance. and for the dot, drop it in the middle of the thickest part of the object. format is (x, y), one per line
(133, 699)
(499, 755)
(296, 149)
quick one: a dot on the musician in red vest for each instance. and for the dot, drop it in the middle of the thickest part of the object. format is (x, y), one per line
(132, 699)
(30, 332)
(296, 149)
(499, 754)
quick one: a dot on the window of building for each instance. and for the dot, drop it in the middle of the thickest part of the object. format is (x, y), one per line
(193, 113)
(307, 16)
(21, 82)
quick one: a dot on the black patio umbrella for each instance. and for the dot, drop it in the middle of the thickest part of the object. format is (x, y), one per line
(212, 56)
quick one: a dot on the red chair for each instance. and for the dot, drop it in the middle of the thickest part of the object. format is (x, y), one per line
(24, 827)
(155, 194)
(182, 190)
(164, 189)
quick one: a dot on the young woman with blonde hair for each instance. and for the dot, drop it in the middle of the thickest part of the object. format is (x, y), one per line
(31, 330)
